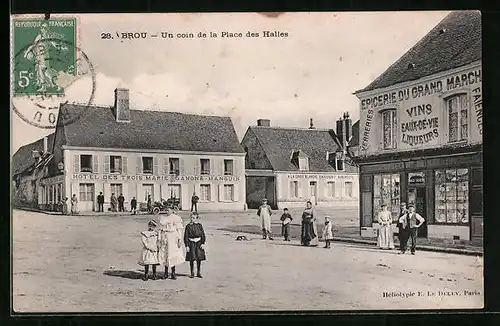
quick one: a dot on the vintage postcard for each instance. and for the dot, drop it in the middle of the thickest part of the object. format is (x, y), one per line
(246, 162)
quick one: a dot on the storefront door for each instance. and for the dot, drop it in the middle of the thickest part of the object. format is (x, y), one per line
(417, 197)
(87, 194)
(313, 191)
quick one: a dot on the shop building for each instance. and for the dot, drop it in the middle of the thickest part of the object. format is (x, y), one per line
(289, 166)
(139, 153)
(421, 133)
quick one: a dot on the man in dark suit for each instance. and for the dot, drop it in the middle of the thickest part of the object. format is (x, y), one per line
(411, 221)
(100, 202)
(194, 202)
(121, 201)
(401, 235)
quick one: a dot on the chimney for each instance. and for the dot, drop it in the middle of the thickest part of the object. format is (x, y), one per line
(341, 131)
(311, 125)
(264, 123)
(45, 144)
(122, 105)
(348, 127)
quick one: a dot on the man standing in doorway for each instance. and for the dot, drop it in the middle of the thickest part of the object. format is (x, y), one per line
(100, 202)
(411, 221)
(121, 200)
(194, 202)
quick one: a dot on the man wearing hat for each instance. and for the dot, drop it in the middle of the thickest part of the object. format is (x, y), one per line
(265, 213)
(410, 223)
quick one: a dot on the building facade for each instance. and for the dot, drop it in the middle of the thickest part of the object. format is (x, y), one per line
(141, 153)
(421, 134)
(290, 166)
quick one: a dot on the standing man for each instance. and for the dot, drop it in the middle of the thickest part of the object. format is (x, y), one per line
(150, 204)
(133, 205)
(411, 221)
(265, 213)
(121, 200)
(401, 235)
(194, 202)
(100, 202)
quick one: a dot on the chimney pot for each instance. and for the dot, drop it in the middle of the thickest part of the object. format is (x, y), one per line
(122, 105)
(263, 122)
(311, 124)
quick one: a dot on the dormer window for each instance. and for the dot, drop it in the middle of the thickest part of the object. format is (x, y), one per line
(303, 164)
(339, 162)
(301, 160)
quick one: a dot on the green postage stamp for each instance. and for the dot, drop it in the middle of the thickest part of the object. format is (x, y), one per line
(44, 50)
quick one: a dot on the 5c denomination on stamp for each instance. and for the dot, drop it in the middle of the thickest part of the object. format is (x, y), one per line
(49, 70)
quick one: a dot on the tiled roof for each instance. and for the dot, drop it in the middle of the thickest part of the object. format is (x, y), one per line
(22, 158)
(454, 42)
(97, 127)
(279, 144)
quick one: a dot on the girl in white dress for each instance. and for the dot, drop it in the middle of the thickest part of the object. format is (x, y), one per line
(149, 254)
(170, 238)
(385, 235)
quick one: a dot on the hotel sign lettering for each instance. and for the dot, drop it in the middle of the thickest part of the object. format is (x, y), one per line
(168, 178)
(319, 176)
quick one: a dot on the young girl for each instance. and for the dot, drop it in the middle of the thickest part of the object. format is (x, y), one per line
(149, 255)
(328, 232)
(194, 239)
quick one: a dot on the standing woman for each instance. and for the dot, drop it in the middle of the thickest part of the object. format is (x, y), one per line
(74, 205)
(309, 234)
(385, 235)
(170, 237)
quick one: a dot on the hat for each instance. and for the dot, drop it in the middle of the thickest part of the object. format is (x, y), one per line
(383, 204)
(411, 205)
(152, 223)
(264, 199)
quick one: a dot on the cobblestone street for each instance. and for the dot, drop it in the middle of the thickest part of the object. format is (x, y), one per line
(89, 264)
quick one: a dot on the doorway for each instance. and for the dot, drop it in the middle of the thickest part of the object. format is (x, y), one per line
(417, 197)
(313, 187)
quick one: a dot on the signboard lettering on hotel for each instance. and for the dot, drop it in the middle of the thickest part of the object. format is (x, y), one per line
(168, 178)
(318, 176)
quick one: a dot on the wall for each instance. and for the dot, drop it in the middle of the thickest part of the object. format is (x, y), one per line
(26, 193)
(286, 198)
(256, 157)
(421, 115)
(448, 231)
(256, 189)
(132, 178)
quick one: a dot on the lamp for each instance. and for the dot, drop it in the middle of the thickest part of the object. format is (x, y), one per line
(60, 166)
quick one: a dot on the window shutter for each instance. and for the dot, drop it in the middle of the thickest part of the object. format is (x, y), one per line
(299, 183)
(181, 166)
(139, 165)
(220, 190)
(124, 164)
(156, 164)
(106, 164)
(236, 167)
(166, 166)
(95, 164)
(212, 166)
(197, 170)
(236, 193)
(76, 163)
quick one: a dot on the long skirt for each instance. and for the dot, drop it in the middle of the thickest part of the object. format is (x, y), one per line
(385, 237)
(196, 252)
(308, 233)
(171, 255)
(266, 222)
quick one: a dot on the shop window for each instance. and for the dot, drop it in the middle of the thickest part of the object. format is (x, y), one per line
(330, 186)
(115, 164)
(85, 163)
(458, 126)
(294, 189)
(205, 166)
(228, 167)
(147, 165)
(348, 189)
(116, 188)
(389, 129)
(86, 191)
(205, 192)
(386, 189)
(228, 192)
(174, 165)
(452, 196)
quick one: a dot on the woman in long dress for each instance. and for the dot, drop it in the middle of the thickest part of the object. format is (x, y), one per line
(309, 232)
(385, 235)
(170, 238)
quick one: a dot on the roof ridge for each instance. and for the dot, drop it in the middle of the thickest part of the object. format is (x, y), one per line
(292, 128)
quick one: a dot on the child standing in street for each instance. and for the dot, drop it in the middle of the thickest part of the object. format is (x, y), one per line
(328, 232)
(194, 239)
(286, 220)
(149, 255)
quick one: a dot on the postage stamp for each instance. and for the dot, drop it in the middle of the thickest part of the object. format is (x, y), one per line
(46, 63)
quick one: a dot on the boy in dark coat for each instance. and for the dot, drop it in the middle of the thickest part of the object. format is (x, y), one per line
(286, 220)
(194, 239)
(133, 205)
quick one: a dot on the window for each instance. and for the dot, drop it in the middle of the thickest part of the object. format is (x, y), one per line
(303, 164)
(386, 190)
(51, 194)
(86, 192)
(174, 165)
(389, 129)
(85, 163)
(339, 164)
(457, 117)
(330, 188)
(117, 189)
(59, 192)
(115, 164)
(294, 189)
(148, 191)
(205, 166)
(228, 167)
(229, 192)
(205, 192)
(416, 178)
(452, 196)
(147, 165)
(348, 189)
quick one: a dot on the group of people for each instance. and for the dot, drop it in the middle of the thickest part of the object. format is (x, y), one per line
(163, 245)
(64, 205)
(309, 228)
(117, 203)
(408, 224)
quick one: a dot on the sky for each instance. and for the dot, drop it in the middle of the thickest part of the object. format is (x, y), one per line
(312, 73)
